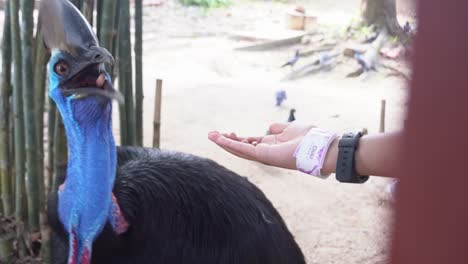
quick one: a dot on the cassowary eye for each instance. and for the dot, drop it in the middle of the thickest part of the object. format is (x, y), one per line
(61, 68)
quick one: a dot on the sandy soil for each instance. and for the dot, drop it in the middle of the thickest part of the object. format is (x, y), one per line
(209, 86)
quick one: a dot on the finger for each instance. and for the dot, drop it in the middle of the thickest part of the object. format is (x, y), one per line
(270, 139)
(233, 136)
(244, 149)
(254, 139)
(277, 128)
(235, 153)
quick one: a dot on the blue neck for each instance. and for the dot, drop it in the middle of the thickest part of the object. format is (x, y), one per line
(85, 199)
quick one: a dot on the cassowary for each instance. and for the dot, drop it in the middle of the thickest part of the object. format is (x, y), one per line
(137, 205)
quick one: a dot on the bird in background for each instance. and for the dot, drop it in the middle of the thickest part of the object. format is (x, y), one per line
(292, 116)
(407, 28)
(372, 37)
(280, 97)
(124, 205)
(293, 60)
(366, 64)
(369, 59)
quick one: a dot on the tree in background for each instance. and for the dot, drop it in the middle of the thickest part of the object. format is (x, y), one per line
(382, 13)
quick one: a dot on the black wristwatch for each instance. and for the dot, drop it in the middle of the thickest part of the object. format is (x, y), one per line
(345, 169)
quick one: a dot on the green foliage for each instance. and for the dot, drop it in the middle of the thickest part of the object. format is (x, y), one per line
(207, 3)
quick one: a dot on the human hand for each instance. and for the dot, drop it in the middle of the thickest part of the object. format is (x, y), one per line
(275, 149)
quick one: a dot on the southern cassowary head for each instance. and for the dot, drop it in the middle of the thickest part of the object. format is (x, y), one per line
(82, 90)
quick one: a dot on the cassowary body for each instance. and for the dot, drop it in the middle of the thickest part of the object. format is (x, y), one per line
(186, 209)
(135, 205)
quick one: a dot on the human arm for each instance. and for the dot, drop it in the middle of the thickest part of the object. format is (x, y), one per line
(375, 155)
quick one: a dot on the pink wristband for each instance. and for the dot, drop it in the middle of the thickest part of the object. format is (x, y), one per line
(311, 152)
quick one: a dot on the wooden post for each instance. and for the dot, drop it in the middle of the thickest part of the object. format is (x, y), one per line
(157, 115)
(382, 116)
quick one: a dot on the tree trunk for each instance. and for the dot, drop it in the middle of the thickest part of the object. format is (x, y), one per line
(381, 13)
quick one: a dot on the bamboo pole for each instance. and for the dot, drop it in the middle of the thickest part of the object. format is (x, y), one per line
(157, 115)
(88, 9)
(114, 39)
(18, 109)
(99, 11)
(77, 3)
(107, 23)
(18, 124)
(50, 143)
(60, 152)
(27, 8)
(5, 169)
(382, 116)
(139, 71)
(39, 89)
(6, 240)
(125, 69)
(6, 248)
(40, 73)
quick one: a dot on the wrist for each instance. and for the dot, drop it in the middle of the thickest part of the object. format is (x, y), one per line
(311, 153)
(329, 165)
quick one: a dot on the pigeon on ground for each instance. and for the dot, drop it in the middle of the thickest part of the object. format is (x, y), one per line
(291, 117)
(280, 97)
(292, 61)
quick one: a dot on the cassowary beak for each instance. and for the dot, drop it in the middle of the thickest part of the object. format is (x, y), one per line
(82, 71)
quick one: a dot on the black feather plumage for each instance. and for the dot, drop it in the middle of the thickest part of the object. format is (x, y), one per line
(186, 209)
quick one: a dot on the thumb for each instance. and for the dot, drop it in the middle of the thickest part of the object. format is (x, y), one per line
(277, 128)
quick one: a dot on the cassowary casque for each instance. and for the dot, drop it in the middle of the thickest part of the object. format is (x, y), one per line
(137, 205)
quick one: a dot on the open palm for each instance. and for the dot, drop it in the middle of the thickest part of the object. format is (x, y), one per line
(275, 149)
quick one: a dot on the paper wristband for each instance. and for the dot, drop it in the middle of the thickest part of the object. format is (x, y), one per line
(311, 152)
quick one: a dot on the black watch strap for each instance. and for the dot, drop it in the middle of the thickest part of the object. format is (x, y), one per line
(345, 169)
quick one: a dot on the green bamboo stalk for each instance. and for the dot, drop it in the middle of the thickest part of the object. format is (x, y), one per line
(77, 3)
(122, 109)
(39, 88)
(116, 72)
(99, 11)
(60, 152)
(5, 169)
(11, 151)
(115, 29)
(108, 14)
(18, 110)
(125, 69)
(139, 71)
(40, 73)
(50, 143)
(88, 9)
(18, 124)
(27, 8)
(115, 34)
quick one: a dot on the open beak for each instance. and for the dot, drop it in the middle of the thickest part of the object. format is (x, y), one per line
(88, 76)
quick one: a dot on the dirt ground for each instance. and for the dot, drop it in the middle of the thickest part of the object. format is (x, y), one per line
(209, 86)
